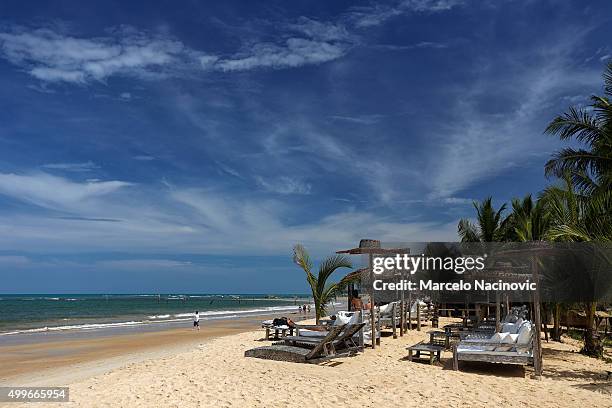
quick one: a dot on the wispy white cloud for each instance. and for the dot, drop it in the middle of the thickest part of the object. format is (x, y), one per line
(295, 52)
(284, 185)
(144, 157)
(482, 143)
(309, 42)
(377, 14)
(55, 57)
(51, 56)
(360, 120)
(77, 167)
(419, 45)
(225, 169)
(55, 192)
(144, 264)
(182, 220)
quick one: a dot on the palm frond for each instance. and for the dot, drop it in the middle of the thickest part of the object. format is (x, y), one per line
(467, 231)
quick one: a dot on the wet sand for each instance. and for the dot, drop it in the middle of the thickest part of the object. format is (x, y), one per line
(69, 359)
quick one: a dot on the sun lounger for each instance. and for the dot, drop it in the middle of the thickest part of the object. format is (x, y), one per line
(345, 341)
(322, 350)
(507, 348)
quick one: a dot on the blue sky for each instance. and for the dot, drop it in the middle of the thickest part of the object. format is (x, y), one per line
(151, 147)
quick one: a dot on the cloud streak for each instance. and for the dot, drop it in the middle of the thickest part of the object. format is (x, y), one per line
(181, 220)
(54, 192)
(377, 14)
(56, 57)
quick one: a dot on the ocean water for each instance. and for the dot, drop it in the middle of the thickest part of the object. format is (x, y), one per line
(29, 314)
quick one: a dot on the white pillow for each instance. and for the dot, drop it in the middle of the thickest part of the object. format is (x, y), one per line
(313, 333)
(386, 309)
(343, 317)
(524, 334)
(498, 337)
(511, 337)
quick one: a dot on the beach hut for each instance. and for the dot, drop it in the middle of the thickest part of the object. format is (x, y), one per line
(371, 248)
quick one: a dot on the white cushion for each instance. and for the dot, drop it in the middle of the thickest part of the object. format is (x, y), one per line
(512, 336)
(524, 334)
(386, 309)
(513, 328)
(312, 333)
(343, 317)
(498, 337)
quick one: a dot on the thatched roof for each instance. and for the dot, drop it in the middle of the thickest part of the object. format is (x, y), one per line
(372, 246)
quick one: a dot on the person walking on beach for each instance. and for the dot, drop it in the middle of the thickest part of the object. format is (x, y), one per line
(196, 320)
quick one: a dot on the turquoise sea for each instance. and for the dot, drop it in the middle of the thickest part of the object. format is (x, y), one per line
(29, 314)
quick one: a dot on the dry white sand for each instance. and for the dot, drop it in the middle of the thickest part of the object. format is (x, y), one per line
(217, 374)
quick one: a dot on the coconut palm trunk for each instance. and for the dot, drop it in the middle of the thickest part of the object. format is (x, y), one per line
(592, 344)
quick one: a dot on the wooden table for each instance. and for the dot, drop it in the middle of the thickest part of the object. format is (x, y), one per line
(433, 351)
(282, 329)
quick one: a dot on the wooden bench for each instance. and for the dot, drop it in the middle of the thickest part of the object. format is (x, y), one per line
(431, 350)
(439, 338)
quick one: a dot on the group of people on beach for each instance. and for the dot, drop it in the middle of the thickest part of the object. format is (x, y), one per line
(304, 309)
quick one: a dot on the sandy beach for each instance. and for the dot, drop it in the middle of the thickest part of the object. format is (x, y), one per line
(214, 372)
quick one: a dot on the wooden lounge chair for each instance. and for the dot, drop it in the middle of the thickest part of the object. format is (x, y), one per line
(345, 341)
(322, 350)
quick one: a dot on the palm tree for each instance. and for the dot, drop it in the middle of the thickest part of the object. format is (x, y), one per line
(529, 220)
(492, 227)
(322, 292)
(575, 217)
(590, 168)
(580, 218)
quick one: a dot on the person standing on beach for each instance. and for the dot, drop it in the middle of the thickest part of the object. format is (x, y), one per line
(196, 320)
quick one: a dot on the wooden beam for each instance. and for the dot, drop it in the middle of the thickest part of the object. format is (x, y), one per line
(372, 316)
(497, 312)
(537, 345)
(393, 320)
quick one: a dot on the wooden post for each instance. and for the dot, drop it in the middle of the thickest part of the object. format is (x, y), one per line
(393, 321)
(378, 328)
(507, 304)
(497, 312)
(360, 320)
(537, 349)
(418, 310)
(402, 307)
(372, 317)
(410, 310)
